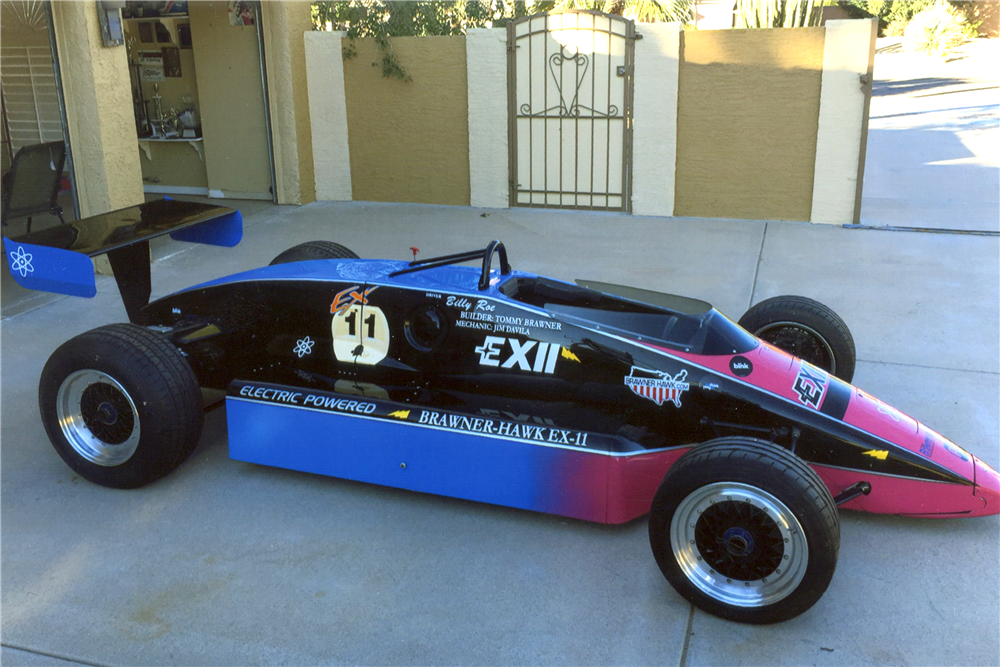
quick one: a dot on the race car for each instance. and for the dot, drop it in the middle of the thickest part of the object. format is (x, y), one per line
(593, 401)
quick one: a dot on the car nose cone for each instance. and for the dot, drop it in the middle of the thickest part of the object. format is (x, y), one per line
(987, 489)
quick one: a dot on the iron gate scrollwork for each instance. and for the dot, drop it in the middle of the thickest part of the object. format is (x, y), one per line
(569, 83)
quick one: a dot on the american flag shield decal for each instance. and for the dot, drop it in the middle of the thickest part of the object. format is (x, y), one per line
(658, 386)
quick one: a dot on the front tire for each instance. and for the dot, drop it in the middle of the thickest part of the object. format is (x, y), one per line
(806, 329)
(121, 405)
(745, 531)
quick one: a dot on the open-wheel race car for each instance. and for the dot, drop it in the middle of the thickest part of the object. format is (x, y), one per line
(593, 401)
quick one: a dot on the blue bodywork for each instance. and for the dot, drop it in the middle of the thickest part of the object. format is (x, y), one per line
(444, 278)
(50, 269)
(60, 261)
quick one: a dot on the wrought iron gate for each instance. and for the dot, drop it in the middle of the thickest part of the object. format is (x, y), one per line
(569, 95)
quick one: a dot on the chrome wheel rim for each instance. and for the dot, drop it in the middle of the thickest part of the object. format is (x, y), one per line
(790, 336)
(739, 544)
(98, 417)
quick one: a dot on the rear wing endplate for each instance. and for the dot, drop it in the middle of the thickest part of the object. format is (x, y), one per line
(57, 259)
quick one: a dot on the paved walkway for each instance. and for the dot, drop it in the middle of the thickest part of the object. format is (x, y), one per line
(223, 562)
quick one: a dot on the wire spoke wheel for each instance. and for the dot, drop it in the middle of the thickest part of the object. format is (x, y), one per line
(806, 329)
(739, 544)
(98, 417)
(745, 530)
(801, 341)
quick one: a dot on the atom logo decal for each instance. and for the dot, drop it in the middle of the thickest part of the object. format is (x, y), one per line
(304, 347)
(20, 261)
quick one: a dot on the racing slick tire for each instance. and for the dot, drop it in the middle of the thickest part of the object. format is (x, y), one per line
(745, 530)
(807, 329)
(121, 405)
(314, 250)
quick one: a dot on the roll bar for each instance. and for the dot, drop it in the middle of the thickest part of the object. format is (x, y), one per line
(486, 254)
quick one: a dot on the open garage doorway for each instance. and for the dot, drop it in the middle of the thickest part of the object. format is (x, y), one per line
(200, 98)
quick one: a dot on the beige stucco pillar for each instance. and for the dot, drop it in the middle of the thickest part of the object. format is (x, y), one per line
(328, 113)
(654, 113)
(847, 49)
(486, 60)
(285, 24)
(98, 95)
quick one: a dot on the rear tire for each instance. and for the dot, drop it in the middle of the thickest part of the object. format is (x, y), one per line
(314, 250)
(745, 531)
(121, 405)
(806, 329)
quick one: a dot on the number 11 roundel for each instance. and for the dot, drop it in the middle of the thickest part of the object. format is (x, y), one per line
(360, 334)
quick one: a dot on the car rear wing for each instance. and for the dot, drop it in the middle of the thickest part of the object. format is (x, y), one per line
(57, 259)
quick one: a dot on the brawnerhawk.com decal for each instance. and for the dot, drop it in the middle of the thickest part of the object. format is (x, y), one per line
(658, 386)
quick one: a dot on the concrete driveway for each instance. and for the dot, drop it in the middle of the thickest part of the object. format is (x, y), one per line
(934, 139)
(223, 562)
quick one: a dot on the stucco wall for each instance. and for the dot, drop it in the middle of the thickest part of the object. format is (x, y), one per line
(99, 111)
(748, 111)
(726, 123)
(231, 96)
(409, 140)
(285, 23)
(654, 113)
(486, 65)
(328, 115)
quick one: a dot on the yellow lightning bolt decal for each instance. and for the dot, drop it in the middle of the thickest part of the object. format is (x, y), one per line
(879, 454)
(400, 414)
(566, 354)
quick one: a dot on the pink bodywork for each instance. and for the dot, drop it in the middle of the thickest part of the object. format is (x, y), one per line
(776, 372)
(633, 480)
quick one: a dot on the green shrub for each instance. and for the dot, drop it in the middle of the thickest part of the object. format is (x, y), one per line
(936, 30)
(896, 28)
(892, 15)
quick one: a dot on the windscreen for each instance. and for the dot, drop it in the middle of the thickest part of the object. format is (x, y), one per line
(704, 331)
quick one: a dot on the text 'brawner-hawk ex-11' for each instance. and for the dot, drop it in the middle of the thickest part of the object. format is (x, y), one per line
(593, 401)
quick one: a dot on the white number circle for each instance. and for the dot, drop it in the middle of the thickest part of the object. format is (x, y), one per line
(360, 334)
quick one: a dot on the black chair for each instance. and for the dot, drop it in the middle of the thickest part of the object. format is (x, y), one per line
(32, 184)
